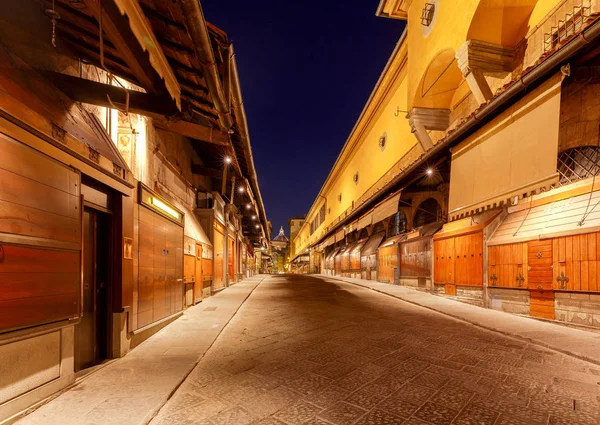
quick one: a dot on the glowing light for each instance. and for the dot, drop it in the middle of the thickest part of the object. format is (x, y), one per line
(253, 217)
(257, 226)
(164, 207)
(241, 189)
(248, 206)
(429, 171)
(227, 160)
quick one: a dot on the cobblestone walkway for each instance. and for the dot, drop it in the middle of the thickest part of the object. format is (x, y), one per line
(308, 350)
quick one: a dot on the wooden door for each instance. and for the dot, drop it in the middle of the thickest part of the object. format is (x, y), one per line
(218, 281)
(198, 287)
(468, 252)
(575, 261)
(388, 261)
(91, 333)
(539, 278)
(507, 266)
(443, 271)
(231, 260)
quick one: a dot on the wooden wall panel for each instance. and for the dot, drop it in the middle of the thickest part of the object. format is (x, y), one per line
(415, 258)
(40, 201)
(160, 284)
(575, 263)
(387, 258)
(507, 266)
(444, 261)
(38, 285)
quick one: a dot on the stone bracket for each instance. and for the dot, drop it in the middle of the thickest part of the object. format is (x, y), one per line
(476, 57)
(423, 119)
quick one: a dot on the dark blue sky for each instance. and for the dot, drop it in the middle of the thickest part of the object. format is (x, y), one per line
(306, 70)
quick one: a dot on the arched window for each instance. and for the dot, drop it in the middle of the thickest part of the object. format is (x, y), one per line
(379, 227)
(429, 211)
(397, 224)
(364, 233)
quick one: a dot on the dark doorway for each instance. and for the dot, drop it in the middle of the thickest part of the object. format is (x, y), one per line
(92, 332)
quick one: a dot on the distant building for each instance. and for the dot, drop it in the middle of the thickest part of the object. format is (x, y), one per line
(279, 251)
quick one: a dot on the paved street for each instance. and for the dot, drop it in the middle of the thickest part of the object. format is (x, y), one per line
(311, 350)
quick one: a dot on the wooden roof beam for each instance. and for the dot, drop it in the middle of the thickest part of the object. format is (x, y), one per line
(88, 91)
(195, 131)
(118, 31)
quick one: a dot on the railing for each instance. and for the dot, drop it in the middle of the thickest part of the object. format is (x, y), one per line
(566, 27)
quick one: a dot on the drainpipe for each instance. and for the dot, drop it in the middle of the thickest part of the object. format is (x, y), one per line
(196, 26)
(572, 47)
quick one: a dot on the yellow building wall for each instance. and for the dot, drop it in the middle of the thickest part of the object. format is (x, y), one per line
(430, 55)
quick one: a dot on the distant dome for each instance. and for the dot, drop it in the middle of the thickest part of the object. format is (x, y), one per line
(281, 237)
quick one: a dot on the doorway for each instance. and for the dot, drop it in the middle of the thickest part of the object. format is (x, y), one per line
(92, 332)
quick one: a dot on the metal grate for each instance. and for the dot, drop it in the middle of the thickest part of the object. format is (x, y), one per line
(427, 14)
(564, 28)
(578, 164)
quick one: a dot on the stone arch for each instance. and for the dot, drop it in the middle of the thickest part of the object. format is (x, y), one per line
(364, 233)
(378, 227)
(428, 211)
(439, 82)
(501, 22)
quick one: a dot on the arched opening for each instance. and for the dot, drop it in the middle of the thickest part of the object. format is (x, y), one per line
(364, 233)
(439, 82)
(429, 211)
(397, 224)
(503, 22)
(379, 227)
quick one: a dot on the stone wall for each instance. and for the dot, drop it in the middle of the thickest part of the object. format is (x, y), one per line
(470, 295)
(576, 308)
(417, 283)
(509, 300)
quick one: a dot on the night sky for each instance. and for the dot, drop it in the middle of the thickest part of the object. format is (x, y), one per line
(306, 70)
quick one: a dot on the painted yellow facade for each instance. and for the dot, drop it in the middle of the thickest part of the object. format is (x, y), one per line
(424, 73)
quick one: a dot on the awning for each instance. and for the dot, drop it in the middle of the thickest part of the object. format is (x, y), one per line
(358, 246)
(386, 208)
(372, 244)
(424, 231)
(365, 221)
(348, 248)
(329, 241)
(339, 236)
(393, 240)
(558, 218)
(332, 254)
(466, 225)
(513, 154)
(191, 227)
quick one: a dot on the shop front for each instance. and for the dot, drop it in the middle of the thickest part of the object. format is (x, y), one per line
(543, 258)
(459, 256)
(368, 257)
(387, 260)
(416, 257)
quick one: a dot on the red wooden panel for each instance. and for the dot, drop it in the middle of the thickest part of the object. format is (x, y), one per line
(28, 285)
(24, 312)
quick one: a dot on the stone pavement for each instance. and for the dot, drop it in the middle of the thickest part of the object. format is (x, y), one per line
(579, 343)
(130, 390)
(313, 350)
